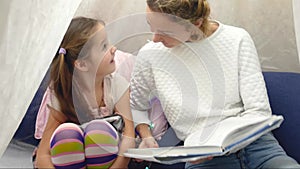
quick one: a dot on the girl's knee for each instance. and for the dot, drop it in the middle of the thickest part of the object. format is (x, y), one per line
(67, 147)
(101, 125)
(67, 131)
(101, 143)
(100, 132)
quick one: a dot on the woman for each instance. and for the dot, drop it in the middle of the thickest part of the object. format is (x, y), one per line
(203, 72)
(85, 90)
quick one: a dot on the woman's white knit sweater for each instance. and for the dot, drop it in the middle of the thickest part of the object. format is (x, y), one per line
(200, 83)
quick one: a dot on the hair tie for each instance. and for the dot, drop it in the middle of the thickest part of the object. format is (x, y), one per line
(62, 51)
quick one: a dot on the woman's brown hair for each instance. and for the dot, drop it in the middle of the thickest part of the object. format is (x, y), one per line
(190, 10)
(80, 30)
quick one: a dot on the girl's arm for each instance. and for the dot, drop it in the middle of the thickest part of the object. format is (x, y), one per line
(43, 159)
(148, 141)
(127, 140)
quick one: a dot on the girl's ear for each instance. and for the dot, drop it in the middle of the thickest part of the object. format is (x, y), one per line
(81, 65)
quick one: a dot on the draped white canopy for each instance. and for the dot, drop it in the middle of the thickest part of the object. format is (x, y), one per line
(30, 32)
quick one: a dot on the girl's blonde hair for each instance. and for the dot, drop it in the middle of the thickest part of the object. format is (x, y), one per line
(190, 10)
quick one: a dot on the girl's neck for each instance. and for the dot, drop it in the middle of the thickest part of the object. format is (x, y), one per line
(91, 84)
(93, 89)
(99, 92)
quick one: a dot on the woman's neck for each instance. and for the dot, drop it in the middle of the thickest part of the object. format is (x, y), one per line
(213, 26)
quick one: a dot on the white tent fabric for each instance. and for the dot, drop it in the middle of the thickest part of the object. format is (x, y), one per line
(296, 9)
(31, 32)
(122, 18)
(270, 23)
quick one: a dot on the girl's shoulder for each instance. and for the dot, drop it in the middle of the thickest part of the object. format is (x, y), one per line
(117, 79)
(119, 85)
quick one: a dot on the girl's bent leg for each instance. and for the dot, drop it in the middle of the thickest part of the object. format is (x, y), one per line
(101, 144)
(66, 147)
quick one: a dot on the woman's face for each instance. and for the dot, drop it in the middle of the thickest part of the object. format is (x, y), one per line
(166, 31)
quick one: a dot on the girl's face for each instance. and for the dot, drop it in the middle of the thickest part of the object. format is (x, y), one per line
(101, 59)
(166, 31)
(107, 64)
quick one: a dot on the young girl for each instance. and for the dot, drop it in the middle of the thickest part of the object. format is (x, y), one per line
(85, 90)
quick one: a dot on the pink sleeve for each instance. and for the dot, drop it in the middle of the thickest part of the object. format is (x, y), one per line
(42, 116)
(158, 119)
(124, 64)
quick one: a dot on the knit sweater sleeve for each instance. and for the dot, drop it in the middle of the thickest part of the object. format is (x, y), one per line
(252, 85)
(141, 85)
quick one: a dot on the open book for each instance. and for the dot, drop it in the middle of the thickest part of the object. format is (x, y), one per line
(228, 136)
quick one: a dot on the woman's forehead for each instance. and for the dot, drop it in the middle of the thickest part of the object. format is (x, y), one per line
(164, 22)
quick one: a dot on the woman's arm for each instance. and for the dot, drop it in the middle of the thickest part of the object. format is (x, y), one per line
(251, 81)
(142, 85)
(128, 136)
(43, 159)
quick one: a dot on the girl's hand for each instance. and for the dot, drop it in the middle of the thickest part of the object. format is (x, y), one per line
(148, 142)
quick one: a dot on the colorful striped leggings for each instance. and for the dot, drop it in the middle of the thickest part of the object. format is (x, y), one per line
(95, 146)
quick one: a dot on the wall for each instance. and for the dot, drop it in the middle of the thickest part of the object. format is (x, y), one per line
(122, 18)
(296, 10)
(270, 23)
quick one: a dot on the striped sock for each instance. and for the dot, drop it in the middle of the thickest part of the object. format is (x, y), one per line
(67, 148)
(101, 144)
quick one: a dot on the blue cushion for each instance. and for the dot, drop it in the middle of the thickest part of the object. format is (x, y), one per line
(284, 95)
(26, 129)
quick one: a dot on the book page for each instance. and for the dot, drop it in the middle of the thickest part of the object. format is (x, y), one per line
(221, 130)
(244, 136)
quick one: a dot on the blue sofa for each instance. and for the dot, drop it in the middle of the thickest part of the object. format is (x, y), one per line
(284, 95)
(26, 129)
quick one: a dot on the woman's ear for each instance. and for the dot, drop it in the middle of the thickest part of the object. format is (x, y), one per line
(198, 22)
(196, 33)
(81, 65)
